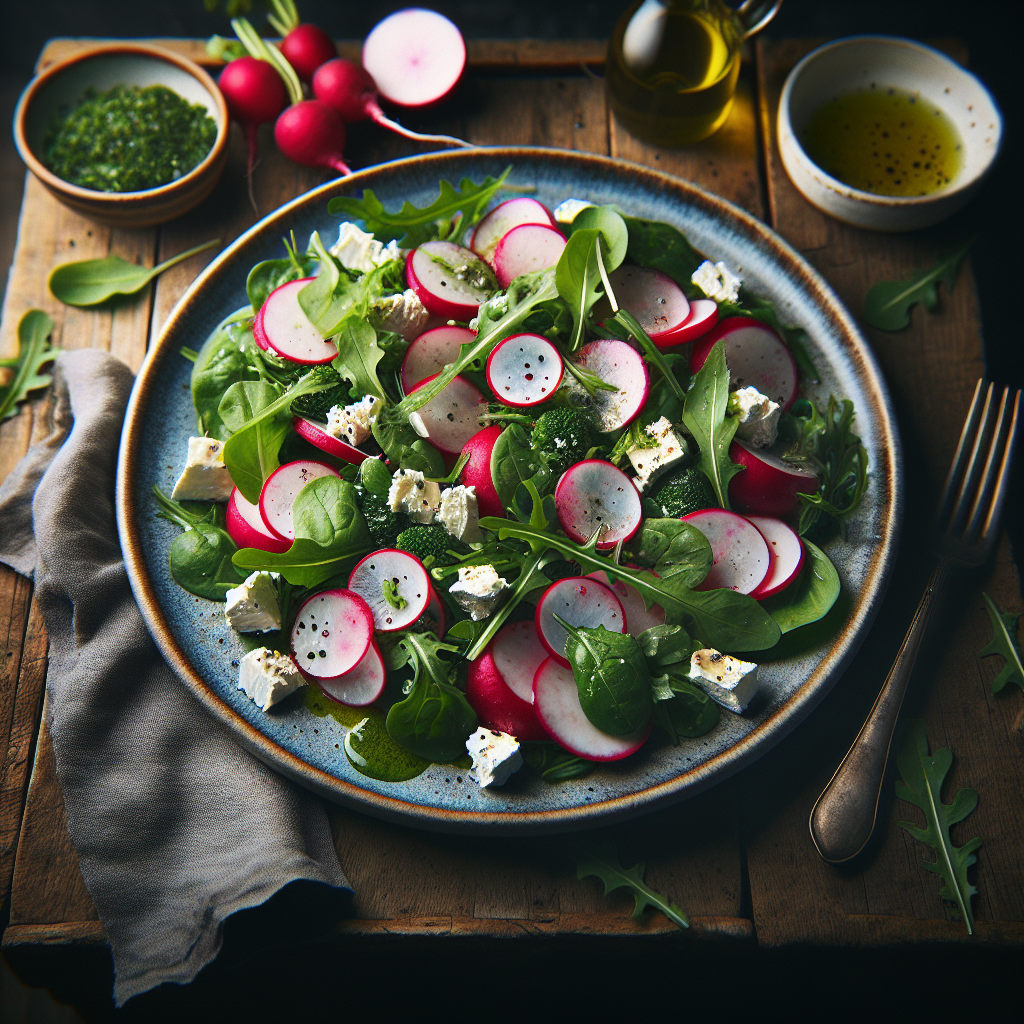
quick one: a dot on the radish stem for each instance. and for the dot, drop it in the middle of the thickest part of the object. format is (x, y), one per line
(263, 50)
(284, 17)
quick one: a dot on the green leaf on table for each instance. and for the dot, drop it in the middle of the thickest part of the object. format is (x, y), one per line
(811, 596)
(923, 775)
(887, 305)
(34, 353)
(601, 860)
(1004, 643)
(89, 282)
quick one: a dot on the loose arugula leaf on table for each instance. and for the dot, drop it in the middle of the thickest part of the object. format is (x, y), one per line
(34, 352)
(922, 778)
(1004, 643)
(602, 861)
(887, 305)
(664, 248)
(553, 764)
(810, 597)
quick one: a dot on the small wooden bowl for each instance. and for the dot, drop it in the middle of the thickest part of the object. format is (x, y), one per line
(60, 88)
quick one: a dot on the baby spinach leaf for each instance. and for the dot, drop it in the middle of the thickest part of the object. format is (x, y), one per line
(811, 596)
(667, 646)
(269, 275)
(251, 455)
(689, 712)
(923, 776)
(674, 549)
(222, 361)
(327, 299)
(403, 446)
(578, 279)
(553, 764)
(614, 233)
(513, 461)
(1004, 643)
(34, 353)
(664, 248)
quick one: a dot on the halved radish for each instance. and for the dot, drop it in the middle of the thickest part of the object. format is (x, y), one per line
(477, 471)
(524, 370)
(452, 418)
(517, 653)
(502, 219)
(332, 632)
(620, 364)
(787, 555)
(431, 352)
(450, 281)
(580, 601)
(702, 317)
(282, 488)
(756, 357)
(390, 577)
(282, 327)
(638, 615)
(316, 434)
(595, 495)
(557, 702)
(740, 553)
(246, 528)
(525, 249)
(361, 685)
(496, 705)
(769, 485)
(656, 301)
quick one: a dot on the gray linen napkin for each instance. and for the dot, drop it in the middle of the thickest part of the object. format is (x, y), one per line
(176, 826)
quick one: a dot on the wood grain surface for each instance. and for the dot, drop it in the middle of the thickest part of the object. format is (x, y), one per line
(738, 859)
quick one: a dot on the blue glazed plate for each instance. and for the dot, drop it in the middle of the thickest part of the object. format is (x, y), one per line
(193, 635)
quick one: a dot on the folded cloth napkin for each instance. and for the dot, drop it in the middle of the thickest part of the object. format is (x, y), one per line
(176, 826)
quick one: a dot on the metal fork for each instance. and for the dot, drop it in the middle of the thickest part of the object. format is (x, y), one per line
(843, 818)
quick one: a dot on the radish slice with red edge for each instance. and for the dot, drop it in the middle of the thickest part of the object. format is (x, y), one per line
(495, 704)
(246, 528)
(525, 249)
(580, 601)
(620, 364)
(524, 370)
(332, 632)
(317, 434)
(756, 357)
(557, 702)
(702, 317)
(281, 326)
(449, 280)
(595, 495)
(452, 418)
(768, 486)
(517, 653)
(788, 554)
(638, 615)
(282, 488)
(655, 300)
(394, 574)
(477, 471)
(429, 353)
(741, 557)
(361, 685)
(502, 219)
(416, 57)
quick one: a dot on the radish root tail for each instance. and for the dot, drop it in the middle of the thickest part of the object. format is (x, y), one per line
(384, 121)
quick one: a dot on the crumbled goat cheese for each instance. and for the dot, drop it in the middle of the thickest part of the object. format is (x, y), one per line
(565, 212)
(724, 678)
(404, 314)
(252, 606)
(359, 250)
(415, 496)
(460, 514)
(267, 677)
(352, 423)
(650, 463)
(478, 590)
(205, 477)
(758, 416)
(496, 757)
(717, 281)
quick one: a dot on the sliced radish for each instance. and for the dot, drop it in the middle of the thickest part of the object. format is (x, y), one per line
(361, 685)
(517, 653)
(702, 317)
(496, 705)
(638, 615)
(656, 301)
(620, 364)
(580, 601)
(502, 219)
(450, 281)
(331, 634)
(525, 249)
(452, 418)
(769, 485)
(756, 357)
(557, 702)
(431, 352)
(394, 573)
(524, 370)
(317, 434)
(282, 488)
(740, 553)
(282, 327)
(477, 471)
(415, 56)
(595, 495)
(787, 555)
(246, 528)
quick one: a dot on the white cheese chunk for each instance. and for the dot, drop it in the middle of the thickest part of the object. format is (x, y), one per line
(717, 281)
(650, 463)
(268, 677)
(415, 496)
(478, 590)
(252, 606)
(496, 756)
(460, 514)
(724, 678)
(566, 211)
(404, 314)
(359, 250)
(758, 416)
(352, 423)
(205, 477)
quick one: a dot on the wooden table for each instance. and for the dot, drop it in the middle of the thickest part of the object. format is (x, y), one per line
(738, 859)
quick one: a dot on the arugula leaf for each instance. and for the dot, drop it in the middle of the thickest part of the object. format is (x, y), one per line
(358, 358)
(664, 248)
(810, 597)
(887, 305)
(513, 461)
(34, 353)
(578, 279)
(602, 861)
(1004, 643)
(922, 778)
(553, 764)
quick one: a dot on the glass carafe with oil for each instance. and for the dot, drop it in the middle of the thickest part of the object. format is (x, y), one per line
(673, 64)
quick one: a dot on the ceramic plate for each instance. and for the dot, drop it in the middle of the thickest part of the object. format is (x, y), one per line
(204, 652)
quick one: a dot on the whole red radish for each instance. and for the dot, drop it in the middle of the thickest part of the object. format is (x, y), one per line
(312, 134)
(477, 471)
(255, 95)
(306, 48)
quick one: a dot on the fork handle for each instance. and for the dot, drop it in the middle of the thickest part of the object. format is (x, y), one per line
(844, 816)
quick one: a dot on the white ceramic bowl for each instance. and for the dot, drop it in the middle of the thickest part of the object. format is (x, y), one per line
(849, 65)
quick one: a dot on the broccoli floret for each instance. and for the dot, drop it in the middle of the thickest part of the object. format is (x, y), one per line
(319, 404)
(563, 435)
(685, 491)
(430, 543)
(383, 524)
